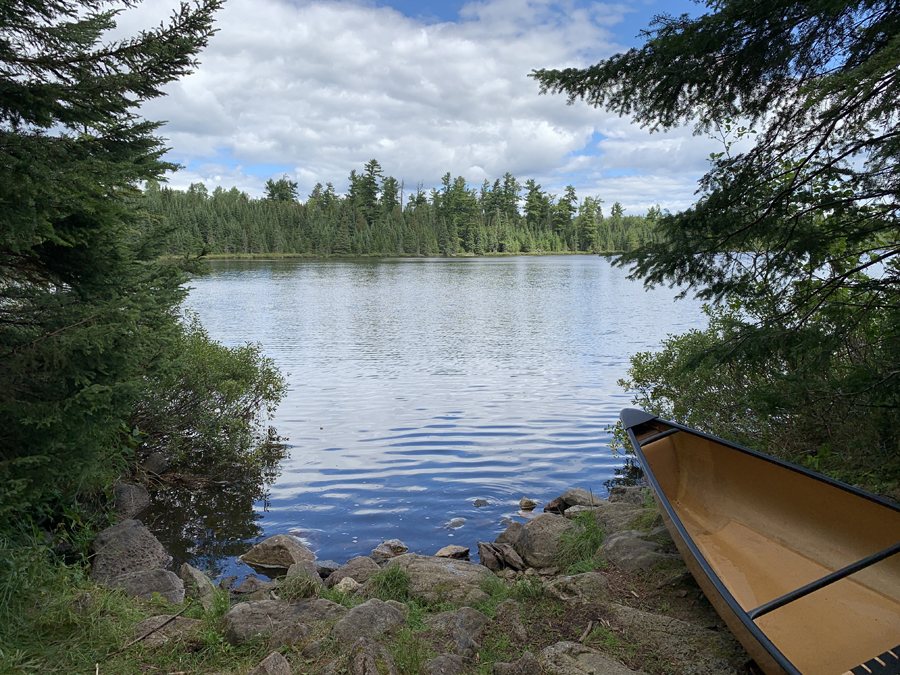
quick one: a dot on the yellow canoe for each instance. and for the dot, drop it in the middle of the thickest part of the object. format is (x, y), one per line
(804, 569)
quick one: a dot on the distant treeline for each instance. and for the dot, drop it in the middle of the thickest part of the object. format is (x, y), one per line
(378, 216)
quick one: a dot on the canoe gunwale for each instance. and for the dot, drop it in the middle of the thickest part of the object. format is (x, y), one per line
(632, 418)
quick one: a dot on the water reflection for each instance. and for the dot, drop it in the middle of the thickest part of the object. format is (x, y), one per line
(417, 387)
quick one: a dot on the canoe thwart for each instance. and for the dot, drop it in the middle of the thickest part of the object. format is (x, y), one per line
(827, 580)
(883, 664)
(656, 437)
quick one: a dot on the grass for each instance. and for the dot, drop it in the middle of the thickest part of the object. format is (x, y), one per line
(389, 583)
(577, 549)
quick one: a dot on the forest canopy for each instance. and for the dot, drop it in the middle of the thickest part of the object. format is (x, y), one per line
(379, 216)
(796, 240)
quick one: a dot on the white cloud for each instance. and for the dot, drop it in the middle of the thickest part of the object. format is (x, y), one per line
(322, 87)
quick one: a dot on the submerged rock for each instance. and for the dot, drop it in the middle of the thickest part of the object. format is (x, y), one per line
(481, 502)
(527, 504)
(455, 523)
(274, 556)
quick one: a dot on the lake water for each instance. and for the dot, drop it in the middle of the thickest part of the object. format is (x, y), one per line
(417, 386)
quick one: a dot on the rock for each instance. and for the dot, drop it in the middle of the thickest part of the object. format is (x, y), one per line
(445, 664)
(365, 657)
(156, 462)
(359, 569)
(252, 584)
(455, 523)
(586, 588)
(369, 620)
(129, 500)
(527, 504)
(705, 652)
(548, 571)
(630, 551)
(390, 548)
(580, 497)
(616, 516)
(273, 664)
(401, 607)
(464, 626)
(573, 511)
(509, 612)
(635, 495)
(453, 551)
(481, 502)
(556, 506)
(439, 579)
(247, 620)
(288, 635)
(489, 556)
(510, 535)
(510, 557)
(125, 548)
(538, 542)
(326, 568)
(526, 665)
(570, 658)
(227, 583)
(304, 569)
(149, 584)
(313, 650)
(276, 554)
(347, 585)
(178, 628)
(475, 596)
(198, 585)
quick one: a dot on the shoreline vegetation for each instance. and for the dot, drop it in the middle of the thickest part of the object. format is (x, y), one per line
(376, 218)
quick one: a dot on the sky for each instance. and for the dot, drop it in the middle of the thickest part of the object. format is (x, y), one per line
(315, 89)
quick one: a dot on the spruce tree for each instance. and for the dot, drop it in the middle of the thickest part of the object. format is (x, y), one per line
(86, 311)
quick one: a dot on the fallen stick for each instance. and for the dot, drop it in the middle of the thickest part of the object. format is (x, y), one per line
(586, 631)
(151, 631)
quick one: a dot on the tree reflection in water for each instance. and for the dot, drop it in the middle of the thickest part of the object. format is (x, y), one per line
(628, 474)
(206, 518)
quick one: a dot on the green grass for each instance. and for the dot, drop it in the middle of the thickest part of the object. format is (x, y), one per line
(577, 548)
(389, 583)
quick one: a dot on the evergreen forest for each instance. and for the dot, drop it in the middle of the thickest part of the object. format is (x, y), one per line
(378, 217)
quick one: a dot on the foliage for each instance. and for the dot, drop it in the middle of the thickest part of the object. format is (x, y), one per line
(376, 217)
(86, 311)
(205, 407)
(389, 583)
(798, 236)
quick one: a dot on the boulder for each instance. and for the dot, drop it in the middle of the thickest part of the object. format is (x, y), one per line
(615, 516)
(178, 628)
(289, 635)
(368, 620)
(489, 556)
(580, 497)
(464, 626)
(527, 664)
(510, 535)
(252, 584)
(635, 495)
(538, 542)
(453, 551)
(151, 584)
(556, 506)
(326, 567)
(198, 585)
(703, 651)
(445, 664)
(275, 555)
(156, 462)
(570, 658)
(629, 550)
(586, 588)
(247, 620)
(475, 596)
(359, 569)
(573, 511)
(389, 548)
(365, 657)
(305, 569)
(440, 579)
(273, 664)
(129, 500)
(510, 557)
(125, 548)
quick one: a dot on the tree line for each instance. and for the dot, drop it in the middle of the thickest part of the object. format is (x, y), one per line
(378, 216)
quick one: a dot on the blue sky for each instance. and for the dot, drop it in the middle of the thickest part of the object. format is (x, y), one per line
(314, 89)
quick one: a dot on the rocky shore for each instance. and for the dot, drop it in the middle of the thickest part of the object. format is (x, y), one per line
(533, 604)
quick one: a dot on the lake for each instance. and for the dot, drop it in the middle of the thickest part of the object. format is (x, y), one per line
(417, 386)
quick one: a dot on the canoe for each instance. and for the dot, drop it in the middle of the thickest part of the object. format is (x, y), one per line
(803, 569)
